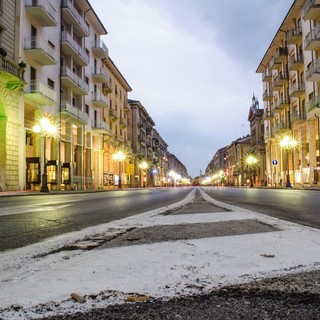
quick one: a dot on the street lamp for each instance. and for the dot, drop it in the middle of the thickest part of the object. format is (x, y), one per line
(120, 157)
(288, 143)
(251, 161)
(144, 166)
(45, 129)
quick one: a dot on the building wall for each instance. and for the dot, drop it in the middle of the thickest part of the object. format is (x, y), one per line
(296, 53)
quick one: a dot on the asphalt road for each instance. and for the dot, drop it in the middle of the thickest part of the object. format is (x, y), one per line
(301, 206)
(29, 219)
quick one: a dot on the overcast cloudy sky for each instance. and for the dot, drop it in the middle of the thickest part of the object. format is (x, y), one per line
(192, 63)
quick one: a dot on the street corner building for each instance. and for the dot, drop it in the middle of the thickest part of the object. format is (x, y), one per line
(66, 122)
(290, 72)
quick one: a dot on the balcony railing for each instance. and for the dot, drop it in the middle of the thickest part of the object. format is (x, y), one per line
(281, 104)
(312, 39)
(74, 112)
(113, 114)
(40, 50)
(267, 75)
(297, 89)
(73, 17)
(311, 10)
(42, 11)
(14, 77)
(313, 71)
(280, 55)
(71, 47)
(268, 115)
(99, 100)
(100, 49)
(70, 79)
(100, 75)
(278, 81)
(99, 125)
(295, 62)
(281, 127)
(123, 122)
(294, 35)
(267, 95)
(298, 117)
(39, 93)
(313, 103)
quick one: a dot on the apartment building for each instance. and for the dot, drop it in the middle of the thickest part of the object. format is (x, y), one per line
(116, 139)
(141, 136)
(236, 168)
(290, 76)
(11, 89)
(160, 160)
(65, 120)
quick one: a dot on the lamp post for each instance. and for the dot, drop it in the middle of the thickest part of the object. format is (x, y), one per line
(120, 157)
(45, 129)
(288, 143)
(144, 166)
(251, 161)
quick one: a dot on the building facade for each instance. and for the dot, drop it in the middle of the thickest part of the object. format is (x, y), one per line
(257, 143)
(12, 82)
(290, 76)
(65, 120)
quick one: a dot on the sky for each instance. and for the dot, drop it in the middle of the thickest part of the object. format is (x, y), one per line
(192, 65)
(41, 284)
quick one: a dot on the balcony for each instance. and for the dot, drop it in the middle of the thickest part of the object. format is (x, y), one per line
(267, 95)
(298, 117)
(281, 128)
(311, 10)
(72, 80)
(99, 126)
(126, 107)
(313, 103)
(100, 75)
(100, 50)
(297, 90)
(106, 88)
(113, 114)
(281, 55)
(274, 65)
(312, 40)
(280, 104)
(72, 16)
(294, 35)
(40, 94)
(119, 138)
(295, 62)
(266, 75)
(123, 122)
(73, 112)
(40, 51)
(99, 100)
(279, 81)
(313, 71)
(11, 74)
(267, 115)
(268, 134)
(71, 47)
(42, 11)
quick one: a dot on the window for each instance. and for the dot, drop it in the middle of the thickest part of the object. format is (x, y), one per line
(87, 109)
(29, 138)
(51, 83)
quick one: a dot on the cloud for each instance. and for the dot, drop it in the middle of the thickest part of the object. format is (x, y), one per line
(192, 65)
